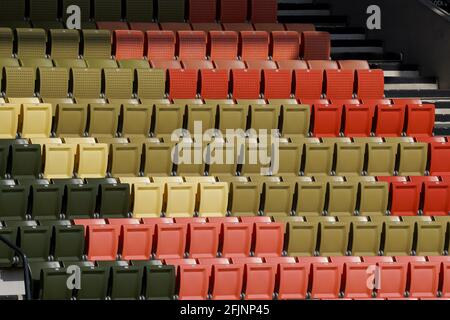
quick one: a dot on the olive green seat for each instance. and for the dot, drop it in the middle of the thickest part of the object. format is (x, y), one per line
(412, 159)
(69, 242)
(70, 63)
(96, 44)
(19, 82)
(31, 42)
(334, 238)
(296, 120)
(125, 160)
(53, 82)
(318, 159)
(349, 158)
(136, 120)
(245, 199)
(279, 198)
(86, 83)
(35, 242)
(104, 120)
(134, 64)
(114, 200)
(118, 83)
(71, 120)
(94, 283)
(126, 282)
(25, 160)
(381, 158)
(13, 202)
(374, 198)
(160, 282)
(158, 159)
(310, 198)
(81, 201)
(65, 44)
(7, 254)
(302, 238)
(6, 42)
(168, 118)
(105, 63)
(171, 10)
(47, 201)
(54, 284)
(366, 236)
(151, 83)
(430, 236)
(342, 198)
(398, 236)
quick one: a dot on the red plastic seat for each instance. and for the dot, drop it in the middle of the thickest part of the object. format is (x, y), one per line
(343, 102)
(229, 64)
(170, 240)
(203, 240)
(355, 281)
(353, 65)
(357, 121)
(323, 65)
(370, 84)
(269, 27)
(238, 27)
(206, 27)
(234, 11)
(246, 83)
(155, 221)
(202, 11)
(193, 282)
(341, 261)
(444, 285)
(277, 84)
(236, 239)
(393, 278)
(390, 179)
(190, 220)
(339, 84)
(377, 259)
(191, 45)
(166, 64)
(422, 179)
(316, 45)
(420, 120)
(102, 242)
(182, 83)
(160, 45)
(112, 25)
(405, 198)
(436, 198)
(292, 278)
(406, 101)
(389, 120)
(439, 155)
(300, 27)
(264, 10)
(128, 44)
(269, 239)
(197, 64)
(327, 120)
(226, 281)
(254, 45)
(445, 178)
(285, 45)
(125, 221)
(223, 219)
(223, 45)
(308, 84)
(259, 278)
(436, 139)
(373, 103)
(326, 281)
(292, 65)
(423, 278)
(144, 26)
(175, 26)
(261, 64)
(313, 102)
(214, 84)
(137, 242)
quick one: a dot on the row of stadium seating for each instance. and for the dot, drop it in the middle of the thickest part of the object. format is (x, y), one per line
(47, 12)
(206, 197)
(165, 45)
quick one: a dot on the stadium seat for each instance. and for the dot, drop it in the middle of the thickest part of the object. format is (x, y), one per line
(182, 84)
(436, 198)
(107, 11)
(126, 282)
(214, 84)
(160, 282)
(296, 120)
(13, 202)
(139, 11)
(64, 44)
(223, 45)
(315, 193)
(394, 279)
(308, 84)
(334, 238)
(316, 45)
(81, 200)
(36, 120)
(292, 65)
(53, 285)
(342, 198)
(405, 198)
(171, 10)
(151, 83)
(31, 42)
(420, 120)
(157, 159)
(245, 199)
(238, 27)
(233, 11)
(201, 11)
(374, 198)
(412, 158)
(229, 64)
(365, 237)
(254, 45)
(102, 242)
(355, 281)
(137, 242)
(430, 236)
(53, 82)
(339, 84)
(278, 190)
(96, 44)
(259, 278)
(318, 159)
(104, 120)
(118, 83)
(438, 153)
(69, 242)
(86, 82)
(370, 84)
(444, 269)
(136, 120)
(203, 240)
(300, 27)
(193, 282)
(19, 82)
(389, 120)
(128, 44)
(277, 84)
(357, 121)
(285, 45)
(96, 286)
(125, 160)
(191, 45)
(160, 45)
(353, 65)
(6, 42)
(9, 121)
(323, 65)
(59, 161)
(246, 83)
(327, 120)
(170, 240)
(326, 281)
(269, 27)
(92, 160)
(261, 65)
(264, 11)
(71, 120)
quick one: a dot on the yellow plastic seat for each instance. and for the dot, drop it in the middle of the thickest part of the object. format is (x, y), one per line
(147, 200)
(213, 199)
(92, 160)
(151, 83)
(296, 120)
(59, 161)
(118, 83)
(180, 200)
(9, 120)
(136, 120)
(86, 82)
(168, 118)
(19, 82)
(36, 120)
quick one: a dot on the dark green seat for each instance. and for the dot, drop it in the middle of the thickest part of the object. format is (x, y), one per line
(7, 254)
(114, 200)
(140, 10)
(94, 283)
(69, 243)
(81, 200)
(13, 10)
(46, 203)
(160, 284)
(35, 270)
(35, 242)
(53, 284)
(171, 10)
(25, 160)
(5, 146)
(126, 283)
(108, 10)
(13, 202)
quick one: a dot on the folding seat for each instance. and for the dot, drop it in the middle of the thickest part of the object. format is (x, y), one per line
(136, 120)
(246, 84)
(160, 45)
(180, 199)
(206, 26)
(96, 44)
(59, 161)
(423, 279)
(31, 42)
(220, 158)
(191, 45)
(333, 238)
(342, 198)
(326, 281)
(7, 254)
(25, 160)
(259, 278)
(245, 199)
(292, 65)
(158, 159)
(381, 159)
(285, 45)
(389, 120)
(193, 280)
(234, 11)
(264, 11)
(102, 242)
(398, 236)
(316, 45)
(205, 114)
(182, 83)
(393, 280)
(92, 160)
(261, 65)
(412, 158)
(269, 239)
(53, 285)
(357, 121)
(365, 236)
(69, 242)
(223, 45)
(9, 121)
(374, 198)
(308, 84)
(354, 65)
(327, 120)
(323, 65)
(264, 117)
(214, 84)
(355, 281)
(255, 159)
(80, 200)
(86, 83)
(126, 282)
(290, 155)
(213, 199)
(118, 83)
(64, 44)
(438, 154)
(295, 120)
(444, 278)
(370, 84)
(128, 44)
(170, 239)
(13, 202)
(282, 191)
(53, 82)
(147, 200)
(137, 242)
(233, 116)
(187, 158)
(420, 120)
(405, 198)
(318, 159)
(406, 101)
(339, 84)
(171, 11)
(349, 158)
(277, 84)
(430, 236)
(71, 120)
(35, 242)
(310, 198)
(254, 45)
(151, 83)
(203, 240)
(113, 198)
(201, 11)
(229, 64)
(95, 281)
(160, 282)
(125, 160)
(19, 82)
(103, 120)
(6, 42)
(300, 27)
(436, 198)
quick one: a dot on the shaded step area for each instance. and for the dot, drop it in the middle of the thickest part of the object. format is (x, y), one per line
(410, 83)
(424, 94)
(397, 69)
(344, 33)
(303, 9)
(318, 20)
(372, 57)
(442, 129)
(11, 284)
(357, 46)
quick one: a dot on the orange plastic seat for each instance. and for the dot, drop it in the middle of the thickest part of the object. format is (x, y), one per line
(102, 242)
(203, 240)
